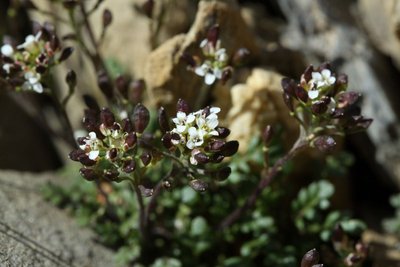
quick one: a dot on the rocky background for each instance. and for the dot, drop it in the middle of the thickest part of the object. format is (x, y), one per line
(360, 38)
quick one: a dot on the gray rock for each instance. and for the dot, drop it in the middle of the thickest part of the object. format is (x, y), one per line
(35, 233)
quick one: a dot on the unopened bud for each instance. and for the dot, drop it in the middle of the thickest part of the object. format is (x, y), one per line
(301, 93)
(54, 42)
(70, 79)
(347, 99)
(201, 158)
(222, 174)
(107, 117)
(136, 89)
(307, 74)
(325, 143)
(65, 54)
(104, 84)
(40, 69)
(145, 158)
(226, 74)
(111, 174)
(182, 106)
(131, 139)
(107, 18)
(166, 140)
(122, 84)
(88, 174)
(241, 57)
(91, 102)
(213, 34)
(223, 132)
(163, 120)
(215, 146)
(216, 158)
(310, 258)
(198, 185)
(324, 66)
(289, 86)
(288, 101)
(129, 166)
(141, 118)
(230, 148)
(319, 107)
(127, 126)
(112, 153)
(85, 160)
(76, 154)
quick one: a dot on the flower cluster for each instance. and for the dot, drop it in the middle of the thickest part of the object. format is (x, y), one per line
(215, 63)
(198, 135)
(110, 150)
(23, 66)
(323, 105)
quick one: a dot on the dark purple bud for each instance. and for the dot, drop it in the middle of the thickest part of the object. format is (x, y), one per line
(85, 160)
(201, 158)
(129, 166)
(222, 174)
(198, 185)
(301, 94)
(145, 192)
(288, 101)
(48, 30)
(215, 146)
(113, 153)
(91, 102)
(145, 158)
(230, 148)
(310, 258)
(107, 117)
(40, 69)
(111, 174)
(319, 107)
(289, 86)
(213, 34)
(226, 74)
(267, 134)
(347, 99)
(223, 132)
(163, 120)
(65, 54)
(352, 259)
(141, 118)
(183, 106)
(70, 79)
(241, 57)
(324, 66)
(104, 84)
(122, 84)
(307, 73)
(81, 140)
(216, 158)
(107, 18)
(131, 139)
(188, 59)
(166, 140)
(127, 126)
(341, 81)
(136, 89)
(75, 155)
(88, 174)
(325, 143)
(337, 234)
(54, 42)
(70, 4)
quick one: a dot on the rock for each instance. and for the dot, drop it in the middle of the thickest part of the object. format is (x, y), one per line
(172, 81)
(383, 249)
(256, 104)
(382, 22)
(35, 233)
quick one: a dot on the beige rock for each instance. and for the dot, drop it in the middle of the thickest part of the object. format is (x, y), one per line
(382, 22)
(258, 103)
(167, 76)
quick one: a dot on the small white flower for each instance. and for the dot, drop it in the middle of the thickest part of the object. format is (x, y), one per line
(195, 138)
(32, 82)
(209, 78)
(31, 42)
(7, 67)
(7, 50)
(313, 94)
(323, 79)
(91, 146)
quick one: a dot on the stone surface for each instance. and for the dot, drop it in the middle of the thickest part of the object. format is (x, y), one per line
(35, 233)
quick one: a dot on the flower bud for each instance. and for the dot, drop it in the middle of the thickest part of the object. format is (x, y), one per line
(163, 120)
(183, 106)
(201, 158)
(301, 93)
(107, 117)
(65, 54)
(215, 146)
(222, 174)
(310, 258)
(127, 125)
(40, 69)
(216, 158)
(88, 174)
(241, 57)
(54, 42)
(145, 158)
(307, 73)
(131, 139)
(288, 101)
(112, 153)
(76, 154)
(111, 174)
(198, 185)
(226, 74)
(324, 66)
(230, 148)
(122, 84)
(347, 99)
(70, 79)
(213, 34)
(129, 166)
(324, 143)
(104, 84)
(223, 132)
(91, 102)
(166, 140)
(85, 160)
(319, 107)
(289, 86)
(107, 18)
(145, 192)
(135, 92)
(90, 120)
(141, 118)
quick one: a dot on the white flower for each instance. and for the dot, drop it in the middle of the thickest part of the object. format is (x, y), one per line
(183, 121)
(313, 94)
(195, 138)
(221, 55)
(322, 79)
(31, 42)
(7, 50)
(7, 67)
(91, 146)
(32, 82)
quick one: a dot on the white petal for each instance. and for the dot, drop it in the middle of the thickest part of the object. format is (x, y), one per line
(201, 71)
(203, 43)
(199, 142)
(7, 67)
(312, 94)
(176, 121)
(38, 88)
(93, 154)
(181, 128)
(217, 73)
(213, 133)
(192, 132)
(215, 110)
(181, 115)
(326, 73)
(190, 144)
(332, 80)
(92, 135)
(316, 76)
(7, 50)
(200, 122)
(209, 78)
(212, 123)
(190, 118)
(193, 161)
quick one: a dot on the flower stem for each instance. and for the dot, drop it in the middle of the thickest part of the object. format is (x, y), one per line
(135, 187)
(300, 144)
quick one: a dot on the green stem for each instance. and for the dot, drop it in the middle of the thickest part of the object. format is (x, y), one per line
(135, 187)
